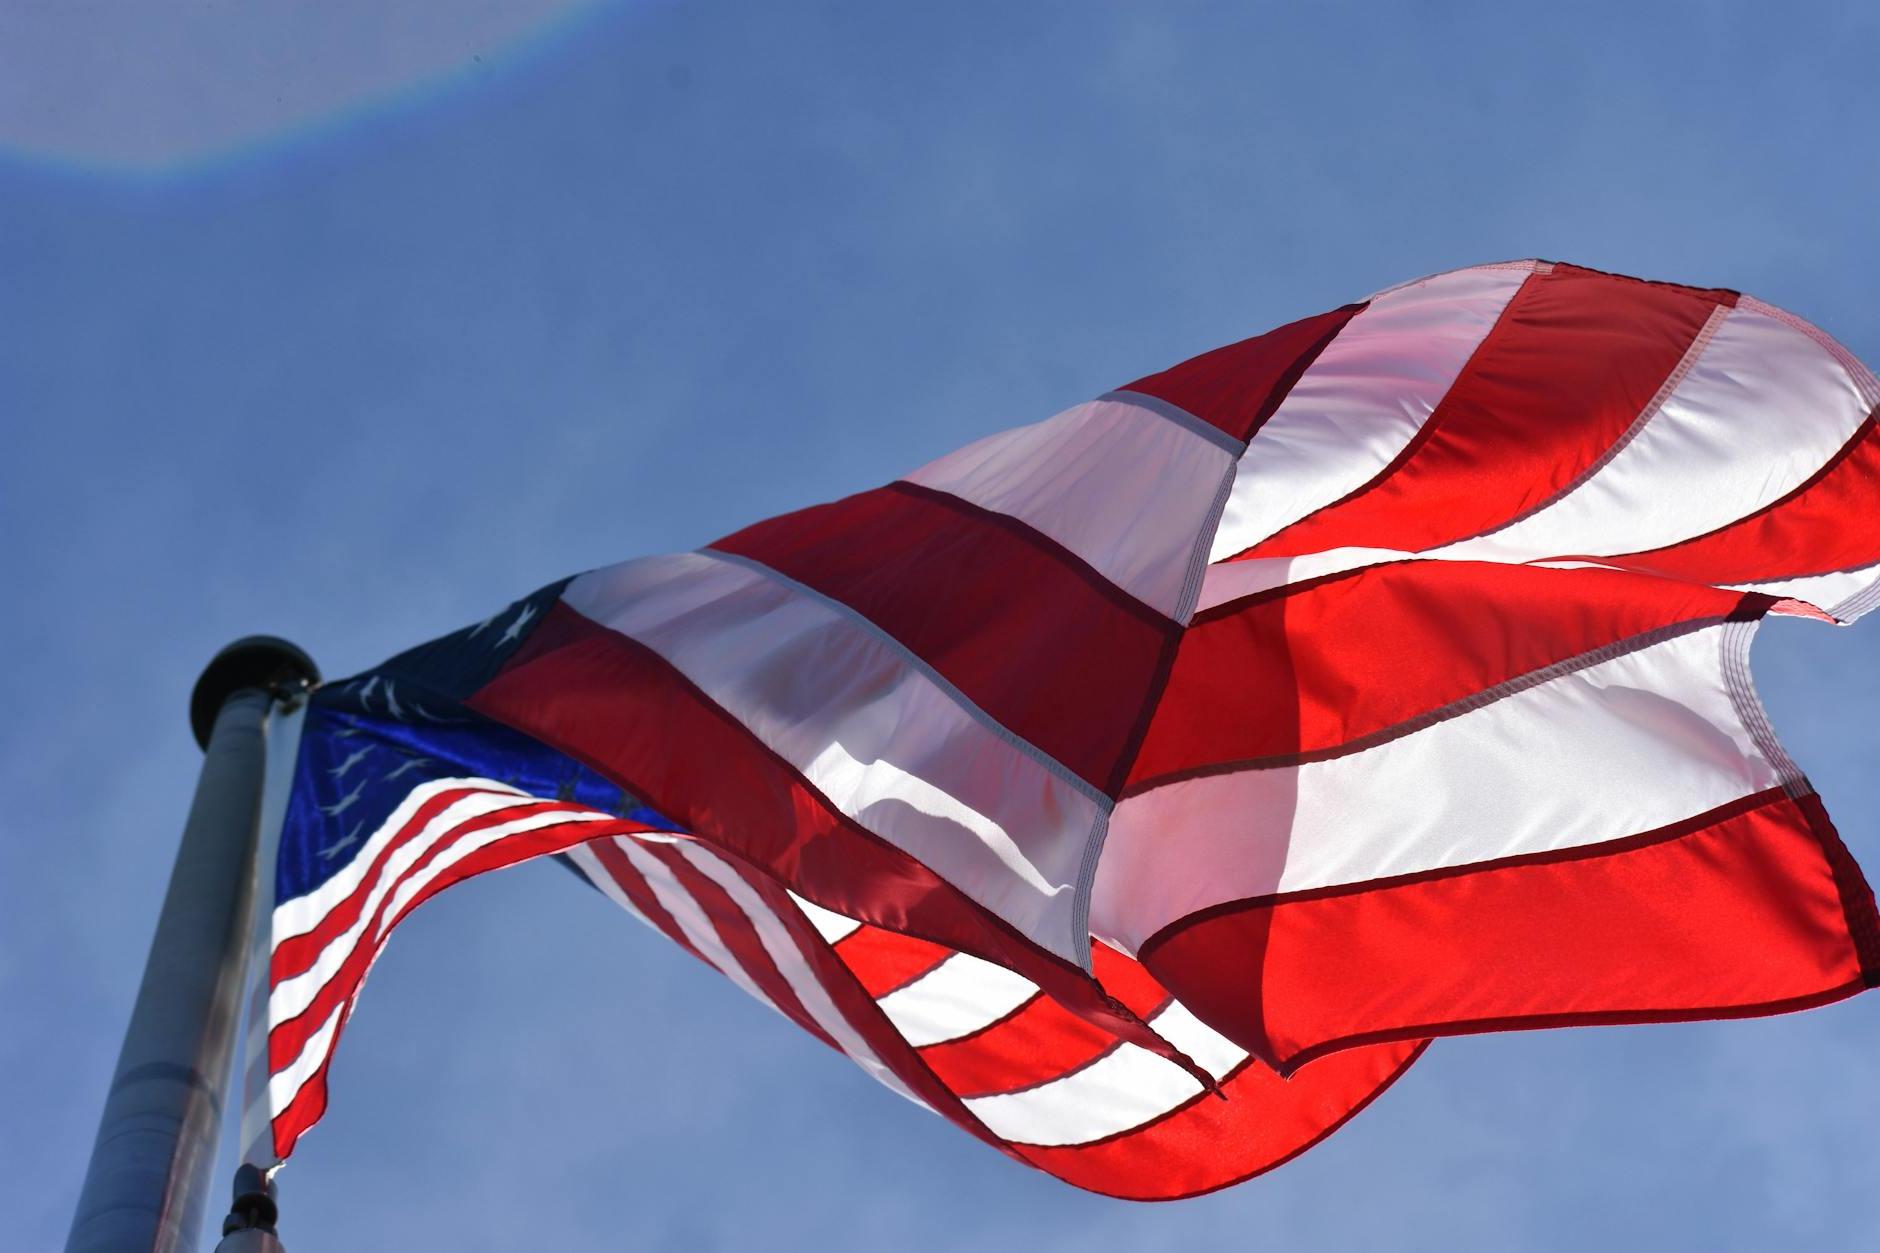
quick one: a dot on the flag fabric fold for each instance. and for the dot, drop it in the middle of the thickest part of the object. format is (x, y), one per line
(964, 1038)
(1382, 677)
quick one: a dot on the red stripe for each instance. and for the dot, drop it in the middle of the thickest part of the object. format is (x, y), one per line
(860, 1010)
(306, 1109)
(293, 1032)
(1325, 664)
(1036, 1043)
(1041, 1041)
(1127, 979)
(309, 1103)
(1821, 527)
(884, 961)
(1204, 1144)
(1740, 911)
(619, 708)
(739, 936)
(1572, 362)
(297, 953)
(287, 1037)
(1033, 636)
(629, 881)
(1207, 1144)
(1238, 387)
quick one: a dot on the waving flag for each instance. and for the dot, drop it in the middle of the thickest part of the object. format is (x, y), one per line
(1381, 677)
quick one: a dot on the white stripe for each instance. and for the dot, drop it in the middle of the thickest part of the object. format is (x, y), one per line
(1526, 265)
(291, 997)
(1117, 483)
(1230, 580)
(691, 917)
(417, 883)
(584, 859)
(788, 956)
(1123, 1089)
(303, 913)
(293, 918)
(833, 927)
(912, 660)
(777, 942)
(866, 784)
(1616, 749)
(287, 1082)
(1760, 411)
(874, 733)
(1857, 369)
(1362, 401)
(961, 995)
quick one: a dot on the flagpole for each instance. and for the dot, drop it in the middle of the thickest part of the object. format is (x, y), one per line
(148, 1179)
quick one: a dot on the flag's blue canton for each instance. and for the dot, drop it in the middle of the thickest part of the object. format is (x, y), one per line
(367, 741)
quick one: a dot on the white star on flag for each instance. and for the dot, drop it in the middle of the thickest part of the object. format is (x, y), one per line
(515, 628)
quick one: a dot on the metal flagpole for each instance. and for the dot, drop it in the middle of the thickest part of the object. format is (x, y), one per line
(150, 1165)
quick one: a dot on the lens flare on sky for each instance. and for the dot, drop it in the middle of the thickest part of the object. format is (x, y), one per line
(175, 85)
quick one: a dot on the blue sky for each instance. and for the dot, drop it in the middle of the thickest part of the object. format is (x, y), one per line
(352, 322)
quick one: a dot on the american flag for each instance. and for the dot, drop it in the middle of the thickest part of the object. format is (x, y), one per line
(1378, 678)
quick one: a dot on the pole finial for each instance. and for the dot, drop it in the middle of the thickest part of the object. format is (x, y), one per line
(259, 661)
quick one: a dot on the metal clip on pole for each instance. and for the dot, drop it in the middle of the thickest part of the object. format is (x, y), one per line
(249, 1227)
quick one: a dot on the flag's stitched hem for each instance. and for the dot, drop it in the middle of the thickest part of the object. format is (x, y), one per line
(1735, 296)
(1863, 378)
(1734, 646)
(1857, 901)
(1086, 885)
(1204, 544)
(1861, 602)
(1843, 613)
(1527, 265)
